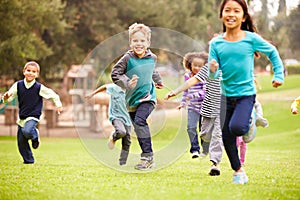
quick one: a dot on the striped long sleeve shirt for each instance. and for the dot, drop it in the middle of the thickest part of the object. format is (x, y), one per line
(212, 100)
(194, 96)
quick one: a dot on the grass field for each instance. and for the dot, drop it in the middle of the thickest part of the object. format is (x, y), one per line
(66, 169)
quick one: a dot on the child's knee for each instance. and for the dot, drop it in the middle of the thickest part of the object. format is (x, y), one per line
(192, 129)
(27, 132)
(120, 133)
(140, 122)
(205, 137)
(238, 129)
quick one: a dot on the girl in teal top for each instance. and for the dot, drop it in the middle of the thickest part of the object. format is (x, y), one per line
(233, 52)
(236, 61)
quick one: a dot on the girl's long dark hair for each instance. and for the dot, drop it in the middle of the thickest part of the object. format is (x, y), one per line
(247, 25)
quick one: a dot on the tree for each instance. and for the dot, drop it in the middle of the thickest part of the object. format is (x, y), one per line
(294, 29)
(22, 26)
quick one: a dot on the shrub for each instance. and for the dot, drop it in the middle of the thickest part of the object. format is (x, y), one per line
(293, 69)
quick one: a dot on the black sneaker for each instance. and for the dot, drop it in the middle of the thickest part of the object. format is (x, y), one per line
(28, 162)
(214, 170)
(36, 142)
(145, 163)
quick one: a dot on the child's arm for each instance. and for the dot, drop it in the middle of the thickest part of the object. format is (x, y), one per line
(200, 94)
(186, 85)
(213, 65)
(214, 71)
(10, 94)
(295, 105)
(48, 93)
(99, 89)
(118, 75)
(183, 100)
(258, 86)
(269, 50)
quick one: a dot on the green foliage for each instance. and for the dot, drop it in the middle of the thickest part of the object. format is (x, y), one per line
(293, 31)
(59, 33)
(293, 69)
(22, 26)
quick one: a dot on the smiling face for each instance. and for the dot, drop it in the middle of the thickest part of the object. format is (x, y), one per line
(30, 72)
(139, 43)
(196, 65)
(232, 15)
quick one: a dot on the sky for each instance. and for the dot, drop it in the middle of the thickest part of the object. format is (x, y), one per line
(290, 5)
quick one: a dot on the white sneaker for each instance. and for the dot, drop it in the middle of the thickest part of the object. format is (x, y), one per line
(263, 122)
(248, 137)
(240, 178)
(195, 154)
(111, 142)
(146, 163)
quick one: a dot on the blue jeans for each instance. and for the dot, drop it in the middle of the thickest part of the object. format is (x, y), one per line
(141, 128)
(28, 132)
(235, 121)
(194, 121)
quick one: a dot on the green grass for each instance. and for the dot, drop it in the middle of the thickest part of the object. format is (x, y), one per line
(65, 169)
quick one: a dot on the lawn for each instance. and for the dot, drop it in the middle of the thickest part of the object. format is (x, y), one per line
(72, 168)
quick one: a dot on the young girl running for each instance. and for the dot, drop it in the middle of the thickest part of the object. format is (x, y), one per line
(232, 53)
(193, 98)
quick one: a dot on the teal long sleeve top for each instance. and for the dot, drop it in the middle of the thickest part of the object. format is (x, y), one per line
(236, 61)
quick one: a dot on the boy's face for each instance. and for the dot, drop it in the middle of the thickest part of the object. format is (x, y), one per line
(30, 73)
(139, 43)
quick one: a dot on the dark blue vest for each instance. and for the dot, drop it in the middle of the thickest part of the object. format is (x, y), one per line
(30, 101)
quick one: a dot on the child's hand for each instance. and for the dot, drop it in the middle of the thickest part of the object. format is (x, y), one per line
(169, 95)
(59, 110)
(159, 85)
(180, 106)
(213, 65)
(6, 96)
(276, 84)
(294, 111)
(133, 81)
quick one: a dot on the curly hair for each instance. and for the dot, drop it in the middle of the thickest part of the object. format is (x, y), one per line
(189, 57)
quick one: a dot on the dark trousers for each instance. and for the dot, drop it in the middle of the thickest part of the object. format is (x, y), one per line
(28, 132)
(235, 121)
(122, 132)
(141, 128)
